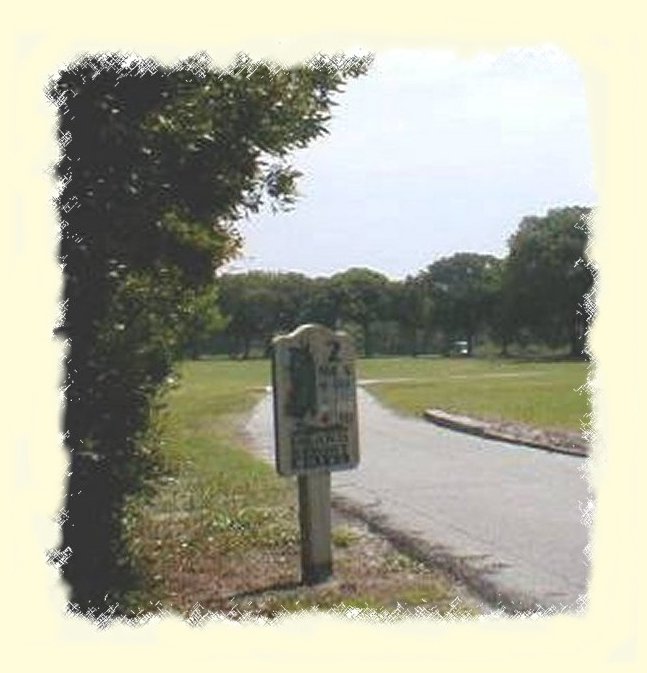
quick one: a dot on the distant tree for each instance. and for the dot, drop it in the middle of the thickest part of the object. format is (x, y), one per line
(202, 323)
(547, 277)
(293, 292)
(500, 322)
(260, 304)
(362, 296)
(413, 309)
(464, 288)
(321, 305)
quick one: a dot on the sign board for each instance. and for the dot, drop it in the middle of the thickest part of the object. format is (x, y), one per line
(315, 401)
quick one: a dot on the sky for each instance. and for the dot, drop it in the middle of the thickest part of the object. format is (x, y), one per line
(431, 154)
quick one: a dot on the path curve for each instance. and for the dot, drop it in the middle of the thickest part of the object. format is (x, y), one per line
(511, 517)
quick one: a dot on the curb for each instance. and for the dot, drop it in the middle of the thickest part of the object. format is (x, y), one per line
(481, 429)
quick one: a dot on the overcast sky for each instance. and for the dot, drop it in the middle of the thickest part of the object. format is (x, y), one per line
(431, 154)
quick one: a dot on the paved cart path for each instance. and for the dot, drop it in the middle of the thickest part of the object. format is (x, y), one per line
(512, 515)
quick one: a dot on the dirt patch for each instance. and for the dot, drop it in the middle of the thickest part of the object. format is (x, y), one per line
(248, 566)
(370, 575)
(556, 440)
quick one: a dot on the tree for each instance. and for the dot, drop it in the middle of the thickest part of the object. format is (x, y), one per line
(159, 165)
(202, 324)
(502, 322)
(320, 305)
(547, 277)
(293, 292)
(413, 309)
(464, 289)
(361, 296)
(260, 304)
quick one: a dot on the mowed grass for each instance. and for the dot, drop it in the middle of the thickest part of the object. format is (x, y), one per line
(221, 528)
(548, 395)
(218, 503)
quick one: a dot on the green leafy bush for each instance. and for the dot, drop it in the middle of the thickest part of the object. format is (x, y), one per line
(159, 164)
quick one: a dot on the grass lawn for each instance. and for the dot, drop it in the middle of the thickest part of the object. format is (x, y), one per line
(540, 394)
(221, 528)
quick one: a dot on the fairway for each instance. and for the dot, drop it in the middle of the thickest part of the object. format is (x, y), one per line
(542, 394)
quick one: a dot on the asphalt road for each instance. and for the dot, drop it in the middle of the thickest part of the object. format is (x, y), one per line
(508, 518)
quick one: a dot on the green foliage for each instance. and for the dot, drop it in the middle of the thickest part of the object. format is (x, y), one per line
(203, 322)
(464, 288)
(159, 164)
(531, 298)
(259, 304)
(361, 296)
(547, 277)
(413, 310)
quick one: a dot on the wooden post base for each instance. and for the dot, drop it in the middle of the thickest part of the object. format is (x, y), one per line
(314, 520)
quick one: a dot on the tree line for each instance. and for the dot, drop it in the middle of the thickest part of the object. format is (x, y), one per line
(536, 295)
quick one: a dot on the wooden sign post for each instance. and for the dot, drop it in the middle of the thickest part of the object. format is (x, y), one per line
(315, 422)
